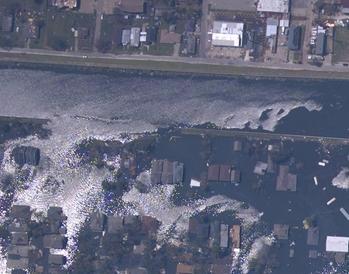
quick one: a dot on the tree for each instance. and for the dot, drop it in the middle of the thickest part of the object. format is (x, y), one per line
(59, 44)
(104, 46)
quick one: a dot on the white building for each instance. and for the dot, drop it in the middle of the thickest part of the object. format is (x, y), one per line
(277, 6)
(337, 244)
(227, 34)
(195, 183)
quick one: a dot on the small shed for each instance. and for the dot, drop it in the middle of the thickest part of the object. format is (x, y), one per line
(237, 146)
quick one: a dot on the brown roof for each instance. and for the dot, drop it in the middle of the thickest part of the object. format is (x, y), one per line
(131, 6)
(184, 269)
(167, 37)
(235, 233)
(281, 231)
(213, 173)
(224, 173)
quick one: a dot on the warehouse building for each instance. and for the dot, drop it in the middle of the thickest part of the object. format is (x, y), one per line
(274, 6)
(227, 34)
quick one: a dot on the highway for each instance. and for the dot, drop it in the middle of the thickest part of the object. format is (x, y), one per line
(172, 64)
(266, 136)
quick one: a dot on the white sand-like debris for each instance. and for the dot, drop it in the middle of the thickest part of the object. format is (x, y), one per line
(157, 203)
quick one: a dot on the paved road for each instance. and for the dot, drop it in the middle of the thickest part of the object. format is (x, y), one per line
(266, 136)
(203, 28)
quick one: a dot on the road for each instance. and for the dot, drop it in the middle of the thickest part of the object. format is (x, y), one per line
(172, 64)
(203, 28)
(266, 136)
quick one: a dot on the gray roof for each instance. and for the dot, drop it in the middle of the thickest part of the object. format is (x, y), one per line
(224, 236)
(19, 238)
(134, 38)
(54, 259)
(97, 221)
(22, 251)
(20, 263)
(235, 176)
(56, 241)
(18, 226)
(20, 212)
(126, 36)
(167, 172)
(237, 145)
(234, 5)
(294, 38)
(114, 224)
(320, 44)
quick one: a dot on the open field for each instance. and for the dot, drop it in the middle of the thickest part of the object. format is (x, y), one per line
(341, 45)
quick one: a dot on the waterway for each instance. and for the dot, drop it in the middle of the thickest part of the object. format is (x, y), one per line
(83, 105)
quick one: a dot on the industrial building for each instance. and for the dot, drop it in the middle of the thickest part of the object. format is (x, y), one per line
(321, 44)
(337, 244)
(275, 6)
(227, 34)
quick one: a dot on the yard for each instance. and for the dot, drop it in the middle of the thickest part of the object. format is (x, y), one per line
(341, 45)
(60, 28)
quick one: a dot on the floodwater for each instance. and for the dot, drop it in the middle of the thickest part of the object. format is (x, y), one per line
(103, 106)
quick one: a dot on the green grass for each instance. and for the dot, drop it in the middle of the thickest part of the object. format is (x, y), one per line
(341, 45)
(167, 66)
(60, 24)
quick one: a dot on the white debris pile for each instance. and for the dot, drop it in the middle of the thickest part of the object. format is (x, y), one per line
(258, 250)
(175, 219)
(342, 179)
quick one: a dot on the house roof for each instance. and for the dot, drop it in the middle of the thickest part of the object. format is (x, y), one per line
(184, 269)
(313, 236)
(281, 231)
(213, 173)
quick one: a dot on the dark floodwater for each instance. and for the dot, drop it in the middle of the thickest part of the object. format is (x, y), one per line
(116, 102)
(162, 100)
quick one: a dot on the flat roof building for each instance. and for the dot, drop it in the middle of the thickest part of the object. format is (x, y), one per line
(233, 5)
(294, 38)
(272, 27)
(134, 37)
(227, 34)
(337, 244)
(125, 37)
(321, 44)
(276, 6)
